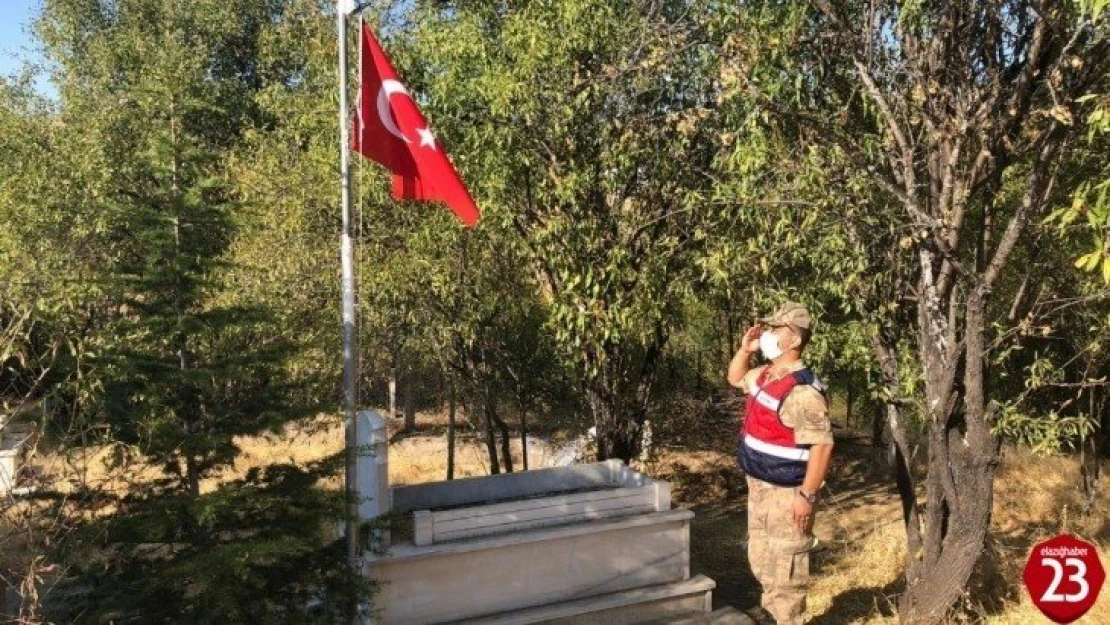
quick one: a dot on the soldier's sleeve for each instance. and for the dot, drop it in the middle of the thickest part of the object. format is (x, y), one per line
(806, 411)
(748, 381)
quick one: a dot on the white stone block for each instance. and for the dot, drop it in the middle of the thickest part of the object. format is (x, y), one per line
(480, 576)
(11, 455)
(373, 465)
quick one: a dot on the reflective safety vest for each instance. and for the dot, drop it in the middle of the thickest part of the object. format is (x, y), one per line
(767, 448)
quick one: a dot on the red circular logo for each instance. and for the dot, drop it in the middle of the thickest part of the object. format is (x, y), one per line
(1063, 577)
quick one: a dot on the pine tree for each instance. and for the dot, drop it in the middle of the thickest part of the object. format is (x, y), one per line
(165, 92)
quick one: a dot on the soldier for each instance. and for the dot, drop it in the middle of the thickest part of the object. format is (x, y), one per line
(785, 445)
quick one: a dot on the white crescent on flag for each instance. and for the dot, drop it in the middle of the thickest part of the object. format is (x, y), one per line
(390, 87)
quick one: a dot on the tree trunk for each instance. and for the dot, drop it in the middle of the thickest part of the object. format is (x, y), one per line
(731, 333)
(963, 453)
(957, 529)
(726, 336)
(451, 434)
(491, 439)
(185, 393)
(506, 437)
(1090, 472)
(885, 348)
(878, 425)
(410, 403)
(619, 396)
(617, 437)
(618, 444)
(849, 396)
(1090, 462)
(523, 436)
(603, 425)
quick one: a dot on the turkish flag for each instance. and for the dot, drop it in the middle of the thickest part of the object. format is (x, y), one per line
(390, 129)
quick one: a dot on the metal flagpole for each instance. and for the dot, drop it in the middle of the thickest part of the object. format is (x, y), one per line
(350, 338)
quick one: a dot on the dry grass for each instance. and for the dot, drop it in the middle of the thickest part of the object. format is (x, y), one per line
(424, 459)
(860, 582)
(421, 457)
(1035, 499)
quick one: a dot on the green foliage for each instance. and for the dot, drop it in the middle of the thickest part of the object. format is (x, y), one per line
(256, 552)
(1092, 8)
(1090, 205)
(128, 226)
(1045, 433)
(1088, 214)
(585, 123)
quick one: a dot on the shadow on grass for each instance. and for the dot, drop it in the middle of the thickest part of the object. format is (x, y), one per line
(717, 550)
(861, 603)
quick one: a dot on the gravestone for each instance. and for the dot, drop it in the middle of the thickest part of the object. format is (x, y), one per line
(13, 439)
(373, 468)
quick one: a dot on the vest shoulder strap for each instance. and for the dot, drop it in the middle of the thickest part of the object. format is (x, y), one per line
(808, 377)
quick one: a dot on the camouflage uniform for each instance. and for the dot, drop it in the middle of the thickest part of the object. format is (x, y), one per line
(777, 551)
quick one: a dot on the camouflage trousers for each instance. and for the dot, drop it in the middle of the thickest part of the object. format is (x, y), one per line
(777, 551)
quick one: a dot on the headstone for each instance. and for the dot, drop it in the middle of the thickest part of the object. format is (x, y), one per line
(12, 441)
(16, 429)
(373, 466)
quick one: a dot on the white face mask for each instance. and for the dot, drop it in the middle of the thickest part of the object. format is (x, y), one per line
(769, 345)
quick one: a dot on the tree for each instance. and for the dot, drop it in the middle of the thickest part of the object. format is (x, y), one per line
(959, 116)
(585, 122)
(1088, 215)
(177, 361)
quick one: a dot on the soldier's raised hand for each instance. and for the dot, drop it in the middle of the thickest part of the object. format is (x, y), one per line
(750, 342)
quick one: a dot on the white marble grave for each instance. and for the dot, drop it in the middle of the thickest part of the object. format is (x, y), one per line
(565, 544)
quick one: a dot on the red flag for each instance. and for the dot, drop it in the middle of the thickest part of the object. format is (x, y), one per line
(390, 129)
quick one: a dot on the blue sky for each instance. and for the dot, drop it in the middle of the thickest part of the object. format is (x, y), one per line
(16, 43)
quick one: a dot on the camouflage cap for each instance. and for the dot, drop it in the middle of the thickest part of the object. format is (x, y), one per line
(790, 314)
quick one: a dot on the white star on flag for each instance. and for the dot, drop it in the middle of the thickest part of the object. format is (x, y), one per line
(426, 137)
